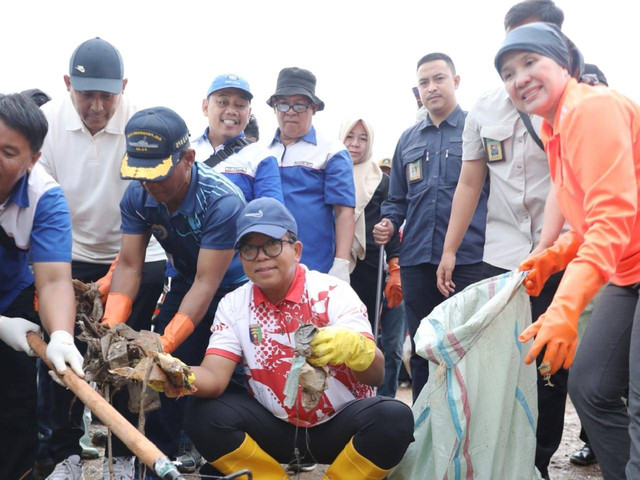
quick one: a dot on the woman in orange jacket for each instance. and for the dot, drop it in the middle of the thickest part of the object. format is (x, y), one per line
(592, 139)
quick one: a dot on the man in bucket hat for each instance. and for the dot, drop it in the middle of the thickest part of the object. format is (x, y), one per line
(317, 175)
(255, 326)
(191, 211)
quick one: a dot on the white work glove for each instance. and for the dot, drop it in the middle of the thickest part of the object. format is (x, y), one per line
(13, 332)
(61, 350)
(340, 269)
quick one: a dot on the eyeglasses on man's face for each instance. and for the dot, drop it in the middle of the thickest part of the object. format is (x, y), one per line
(272, 248)
(297, 107)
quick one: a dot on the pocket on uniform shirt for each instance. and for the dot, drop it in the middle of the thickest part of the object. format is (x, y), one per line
(453, 161)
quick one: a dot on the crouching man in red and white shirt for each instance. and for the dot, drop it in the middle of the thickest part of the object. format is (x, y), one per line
(360, 435)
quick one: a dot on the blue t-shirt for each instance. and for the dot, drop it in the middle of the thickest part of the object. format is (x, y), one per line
(206, 219)
(36, 227)
(316, 175)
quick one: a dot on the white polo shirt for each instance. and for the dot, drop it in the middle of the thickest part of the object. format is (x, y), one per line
(87, 167)
(519, 181)
(248, 328)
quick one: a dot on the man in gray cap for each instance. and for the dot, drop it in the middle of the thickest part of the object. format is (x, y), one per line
(82, 152)
(316, 173)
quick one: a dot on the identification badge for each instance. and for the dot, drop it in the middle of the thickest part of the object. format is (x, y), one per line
(415, 171)
(494, 150)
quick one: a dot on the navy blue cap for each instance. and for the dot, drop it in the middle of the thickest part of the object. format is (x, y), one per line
(230, 80)
(96, 65)
(267, 216)
(155, 138)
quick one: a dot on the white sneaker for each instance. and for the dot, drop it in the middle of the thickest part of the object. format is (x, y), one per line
(123, 468)
(69, 469)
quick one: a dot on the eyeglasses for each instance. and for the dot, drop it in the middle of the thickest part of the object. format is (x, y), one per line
(271, 249)
(297, 107)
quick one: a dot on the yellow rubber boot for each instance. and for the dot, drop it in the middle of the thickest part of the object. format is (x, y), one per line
(350, 465)
(249, 456)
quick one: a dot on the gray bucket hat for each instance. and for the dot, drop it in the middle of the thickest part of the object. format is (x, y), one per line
(296, 81)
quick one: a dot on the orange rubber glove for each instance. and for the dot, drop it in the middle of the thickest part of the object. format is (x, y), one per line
(393, 288)
(550, 261)
(104, 283)
(117, 310)
(337, 345)
(557, 328)
(179, 328)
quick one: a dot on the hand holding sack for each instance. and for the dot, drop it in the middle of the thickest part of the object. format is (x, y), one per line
(338, 345)
(550, 261)
(557, 328)
(393, 287)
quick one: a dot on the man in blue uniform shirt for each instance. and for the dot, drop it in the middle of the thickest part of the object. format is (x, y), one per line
(424, 174)
(191, 210)
(35, 226)
(317, 175)
(223, 145)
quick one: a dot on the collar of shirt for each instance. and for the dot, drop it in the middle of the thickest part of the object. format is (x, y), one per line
(20, 193)
(115, 126)
(452, 119)
(189, 204)
(205, 138)
(294, 295)
(309, 137)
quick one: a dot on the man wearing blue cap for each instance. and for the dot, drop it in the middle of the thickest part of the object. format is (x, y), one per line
(82, 152)
(191, 210)
(223, 145)
(257, 326)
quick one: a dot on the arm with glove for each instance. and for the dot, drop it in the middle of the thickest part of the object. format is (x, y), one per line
(345, 230)
(212, 265)
(393, 287)
(127, 273)
(57, 310)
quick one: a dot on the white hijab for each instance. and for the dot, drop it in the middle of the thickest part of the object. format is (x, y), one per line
(366, 176)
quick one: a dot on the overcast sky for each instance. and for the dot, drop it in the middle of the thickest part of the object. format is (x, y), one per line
(364, 53)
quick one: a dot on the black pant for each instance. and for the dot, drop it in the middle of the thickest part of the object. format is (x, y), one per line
(381, 427)
(421, 295)
(364, 280)
(66, 414)
(18, 426)
(551, 399)
(163, 426)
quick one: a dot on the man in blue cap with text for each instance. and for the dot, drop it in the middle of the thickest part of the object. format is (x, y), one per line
(224, 147)
(191, 210)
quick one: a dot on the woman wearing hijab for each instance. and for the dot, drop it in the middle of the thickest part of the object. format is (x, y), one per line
(592, 139)
(372, 188)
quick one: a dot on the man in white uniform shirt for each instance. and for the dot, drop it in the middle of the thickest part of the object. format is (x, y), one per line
(82, 152)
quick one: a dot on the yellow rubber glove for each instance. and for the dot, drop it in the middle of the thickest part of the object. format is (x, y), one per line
(117, 310)
(104, 283)
(393, 288)
(179, 328)
(338, 345)
(550, 261)
(557, 328)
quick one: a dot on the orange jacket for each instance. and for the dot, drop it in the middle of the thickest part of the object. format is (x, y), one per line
(594, 159)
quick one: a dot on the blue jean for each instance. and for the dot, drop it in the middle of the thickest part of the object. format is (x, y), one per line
(421, 295)
(391, 340)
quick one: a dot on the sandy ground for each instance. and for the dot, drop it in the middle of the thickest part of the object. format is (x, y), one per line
(560, 468)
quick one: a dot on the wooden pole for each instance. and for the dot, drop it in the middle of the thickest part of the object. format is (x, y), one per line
(140, 445)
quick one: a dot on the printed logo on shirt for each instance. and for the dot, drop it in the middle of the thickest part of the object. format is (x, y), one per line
(159, 231)
(255, 333)
(302, 163)
(235, 170)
